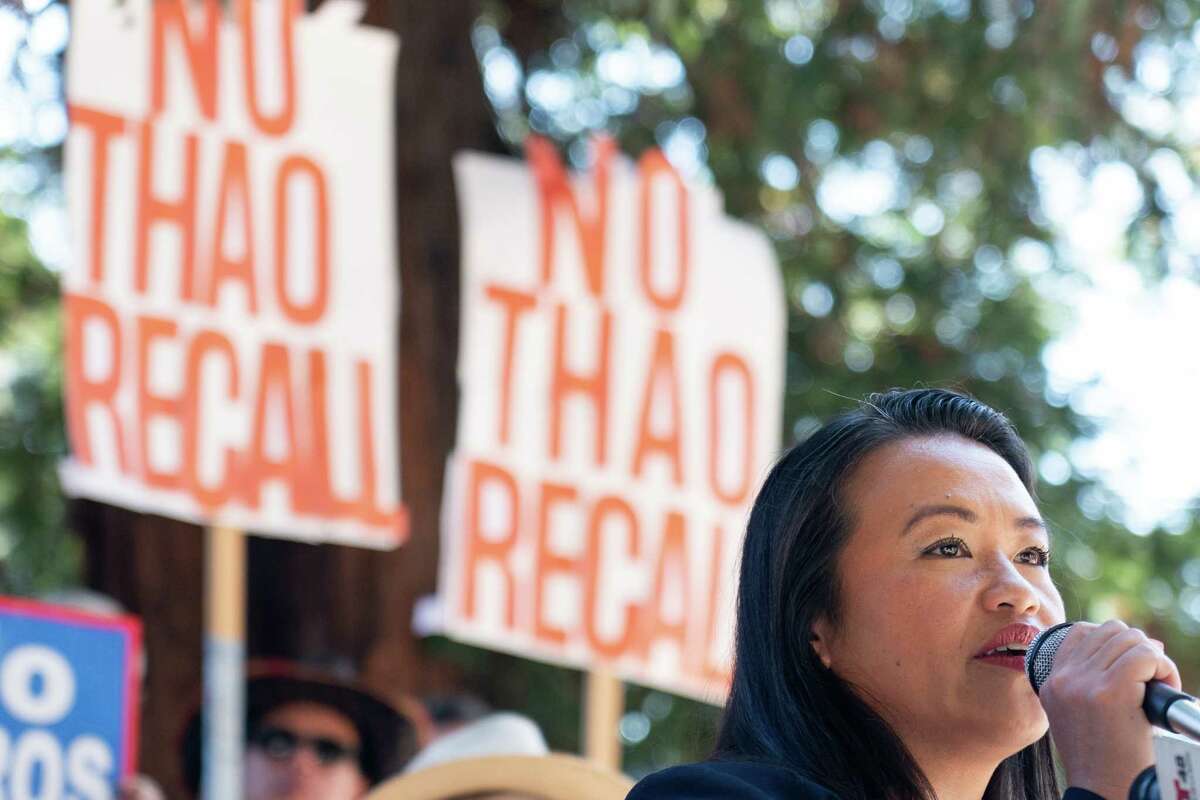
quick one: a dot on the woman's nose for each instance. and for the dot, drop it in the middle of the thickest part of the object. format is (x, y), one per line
(1008, 588)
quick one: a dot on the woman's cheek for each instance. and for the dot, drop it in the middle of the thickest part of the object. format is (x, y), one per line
(927, 607)
(1053, 610)
(908, 607)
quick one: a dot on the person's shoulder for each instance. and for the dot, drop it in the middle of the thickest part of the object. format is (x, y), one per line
(728, 780)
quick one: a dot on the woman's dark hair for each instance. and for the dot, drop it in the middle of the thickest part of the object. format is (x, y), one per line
(785, 706)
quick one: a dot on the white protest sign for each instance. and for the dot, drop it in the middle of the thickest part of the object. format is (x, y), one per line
(1175, 762)
(231, 312)
(621, 367)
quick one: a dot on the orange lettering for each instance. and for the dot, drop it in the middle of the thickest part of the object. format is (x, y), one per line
(479, 548)
(593, 569)
(555, 194)
(515, 305)
(653, 163)
(274, 378)
(594, 386)
(368, 501)
(200, 49)
(310, 312)
(205, 344)
(735, 366)
(317, 495)
(151, 405)
(549, 562)
(669, 444)
(152, 209)
(710, 669)
(234, 186)
(672, 561)
(279, 123)
(103, 127)
(82, 392)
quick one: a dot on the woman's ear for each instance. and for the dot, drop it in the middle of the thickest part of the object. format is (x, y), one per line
(818, 639)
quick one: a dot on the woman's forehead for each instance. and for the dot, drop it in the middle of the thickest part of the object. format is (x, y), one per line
(910, 472)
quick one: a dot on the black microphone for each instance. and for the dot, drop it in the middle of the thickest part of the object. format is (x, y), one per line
(1174, 711)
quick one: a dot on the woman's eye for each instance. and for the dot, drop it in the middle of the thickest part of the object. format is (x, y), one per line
(1036, 556)
(949, 548)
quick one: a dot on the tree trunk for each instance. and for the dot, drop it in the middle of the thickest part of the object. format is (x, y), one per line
(332, 603)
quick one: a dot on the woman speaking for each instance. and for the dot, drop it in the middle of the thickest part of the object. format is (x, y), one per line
(893, 573)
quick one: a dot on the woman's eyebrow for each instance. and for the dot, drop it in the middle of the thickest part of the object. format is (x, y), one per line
(1033, 522)
(965, 514)
(942, 509)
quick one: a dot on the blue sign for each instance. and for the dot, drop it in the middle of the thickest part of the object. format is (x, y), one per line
(68, 701)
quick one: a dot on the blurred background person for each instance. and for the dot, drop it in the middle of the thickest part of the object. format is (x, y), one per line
(310, 736)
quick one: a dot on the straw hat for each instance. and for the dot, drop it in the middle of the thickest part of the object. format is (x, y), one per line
(555, 776)
(504, 733)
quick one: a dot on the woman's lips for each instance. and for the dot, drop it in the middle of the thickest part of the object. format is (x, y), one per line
(1019, 633)
(1008, 662)
(1007, 647)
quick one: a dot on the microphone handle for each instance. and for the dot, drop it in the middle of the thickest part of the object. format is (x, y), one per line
(1172, 710)
(1145, 785)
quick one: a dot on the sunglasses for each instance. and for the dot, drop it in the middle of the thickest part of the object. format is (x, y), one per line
(281, 744)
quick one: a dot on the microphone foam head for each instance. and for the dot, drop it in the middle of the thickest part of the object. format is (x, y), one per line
(1039, 658)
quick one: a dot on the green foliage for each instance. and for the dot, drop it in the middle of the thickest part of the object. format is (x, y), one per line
(36, 551)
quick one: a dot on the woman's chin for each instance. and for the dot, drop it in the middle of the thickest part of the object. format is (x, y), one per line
(1015, 725)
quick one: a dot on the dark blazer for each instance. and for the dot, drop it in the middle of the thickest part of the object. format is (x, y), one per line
(744, 780)
(728, 780)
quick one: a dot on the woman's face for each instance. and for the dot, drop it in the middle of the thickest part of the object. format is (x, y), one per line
(946, 551)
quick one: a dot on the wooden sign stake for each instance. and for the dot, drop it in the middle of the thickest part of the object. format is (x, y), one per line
(603, 706)
(224, 662)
